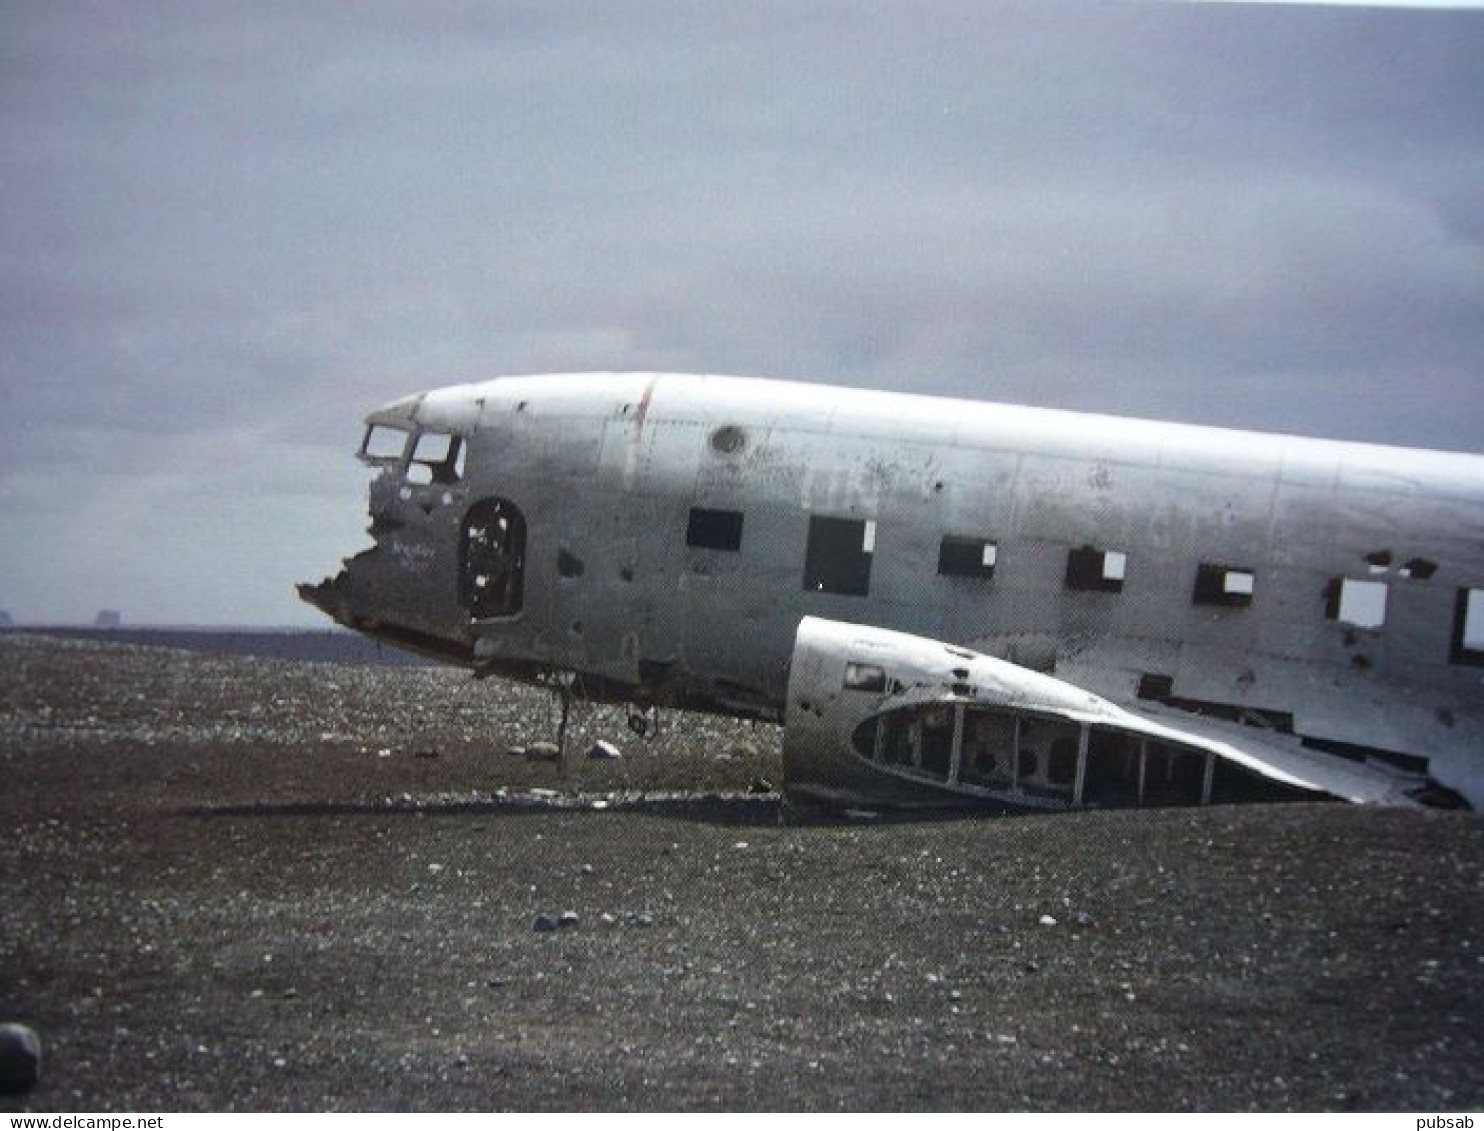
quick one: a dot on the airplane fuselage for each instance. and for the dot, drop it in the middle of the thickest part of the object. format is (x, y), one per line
(661, 538)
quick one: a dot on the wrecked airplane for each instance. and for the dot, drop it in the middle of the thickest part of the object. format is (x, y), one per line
(945, 601)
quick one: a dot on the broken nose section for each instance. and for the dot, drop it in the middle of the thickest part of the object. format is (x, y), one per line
(327, 597)
(356, 596)
(360, 598)
(348, 597)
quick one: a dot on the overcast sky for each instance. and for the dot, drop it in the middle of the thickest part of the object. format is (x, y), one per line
(227, 231)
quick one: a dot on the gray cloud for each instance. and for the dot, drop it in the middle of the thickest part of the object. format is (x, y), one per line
(226, 232)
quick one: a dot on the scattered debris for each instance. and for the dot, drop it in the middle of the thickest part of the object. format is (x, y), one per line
(603, 750)
(20, 1059)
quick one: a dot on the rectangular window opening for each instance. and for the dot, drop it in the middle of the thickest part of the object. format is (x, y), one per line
(865, 677)
(1419, 568)
(1468, 628)
(1231, 586)
(714, 529)
(434, 447)
(966, 557)
(1094, 570)
(838, 558)
(437, 457)
(384, 444)
(1360, 604)
(1155, 685)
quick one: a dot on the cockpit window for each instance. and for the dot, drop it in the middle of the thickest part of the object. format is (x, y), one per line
(383, 443)
(438, 457)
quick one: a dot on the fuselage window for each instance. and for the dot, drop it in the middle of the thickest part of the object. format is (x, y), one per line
(838, 559)
(714, 529)
(1231, 586)
(384, 444)
(1360, 604)
(1419, 568)
(492, 550)
(438, 457)
(1468, 628)
(967, 557)
(865, 677)
(1096, 570)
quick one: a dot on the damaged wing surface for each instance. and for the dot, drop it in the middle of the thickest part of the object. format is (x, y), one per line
(871, 709)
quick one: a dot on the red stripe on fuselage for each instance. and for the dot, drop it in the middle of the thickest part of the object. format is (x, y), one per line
(644, 406)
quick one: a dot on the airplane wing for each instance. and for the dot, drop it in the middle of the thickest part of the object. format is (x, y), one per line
(870, 709)
(1278, 757)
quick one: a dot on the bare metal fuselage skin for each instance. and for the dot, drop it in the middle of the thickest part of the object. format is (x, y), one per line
(662, 538)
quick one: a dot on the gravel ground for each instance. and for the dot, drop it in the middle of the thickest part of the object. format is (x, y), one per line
(253, 884)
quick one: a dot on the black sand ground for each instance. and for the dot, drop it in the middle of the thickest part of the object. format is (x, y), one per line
(239, 883)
